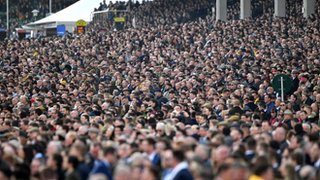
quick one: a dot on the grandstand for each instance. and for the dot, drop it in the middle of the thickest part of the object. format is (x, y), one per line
(146, 13)
(186, 89)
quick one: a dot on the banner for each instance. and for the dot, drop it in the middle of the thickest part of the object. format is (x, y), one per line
(119, 19)
(61, 30)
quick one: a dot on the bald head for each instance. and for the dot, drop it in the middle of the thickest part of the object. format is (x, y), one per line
(221, 154)
(280, 134)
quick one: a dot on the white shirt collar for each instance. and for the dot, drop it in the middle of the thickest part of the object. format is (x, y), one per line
(176, 170)
(152, 155)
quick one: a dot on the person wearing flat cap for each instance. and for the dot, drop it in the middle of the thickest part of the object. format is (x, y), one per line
(93, 134)
(33, 134)
(287, 118)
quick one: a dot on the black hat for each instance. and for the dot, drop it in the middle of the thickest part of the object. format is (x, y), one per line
(23, 134)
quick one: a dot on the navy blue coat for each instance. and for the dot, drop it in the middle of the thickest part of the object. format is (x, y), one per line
(184, 174)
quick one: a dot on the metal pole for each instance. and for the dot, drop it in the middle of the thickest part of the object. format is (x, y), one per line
(263, 8)
(8, 24)
(282, 95)
(213, 13)
(50, 7)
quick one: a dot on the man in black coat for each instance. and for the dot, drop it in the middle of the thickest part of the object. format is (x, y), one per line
(180, 169)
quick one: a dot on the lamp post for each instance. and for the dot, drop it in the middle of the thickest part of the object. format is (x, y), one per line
(50, 7)
(8, 24)
(35, 13)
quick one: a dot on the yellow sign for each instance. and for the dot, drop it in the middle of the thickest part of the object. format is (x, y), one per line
(81, 23)
(119, 19)
(80, 29)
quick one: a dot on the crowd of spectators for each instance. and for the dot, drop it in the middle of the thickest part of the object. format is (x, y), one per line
(118, 5)
(188, 100)
(153, 13)
(159, 12)
(167, 12)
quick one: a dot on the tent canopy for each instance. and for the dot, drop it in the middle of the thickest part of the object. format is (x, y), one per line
(79, 10)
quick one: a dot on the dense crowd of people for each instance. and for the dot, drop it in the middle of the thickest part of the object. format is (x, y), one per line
(153, 13)
(118, 5)
(187, 100)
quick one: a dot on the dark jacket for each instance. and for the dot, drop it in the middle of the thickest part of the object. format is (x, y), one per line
(102, 167)
(83, 170)
(184, 174)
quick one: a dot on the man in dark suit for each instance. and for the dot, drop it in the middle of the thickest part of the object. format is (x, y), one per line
(250, 151)
(315, 155)
(104, 166)
(236, 109)
(249, 104)
(295, 81)
(149, 147)
(180, 169)
(78, 149)
(279, 135)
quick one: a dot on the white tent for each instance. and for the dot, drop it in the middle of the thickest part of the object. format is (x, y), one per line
(80, 10)
(68, 16)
